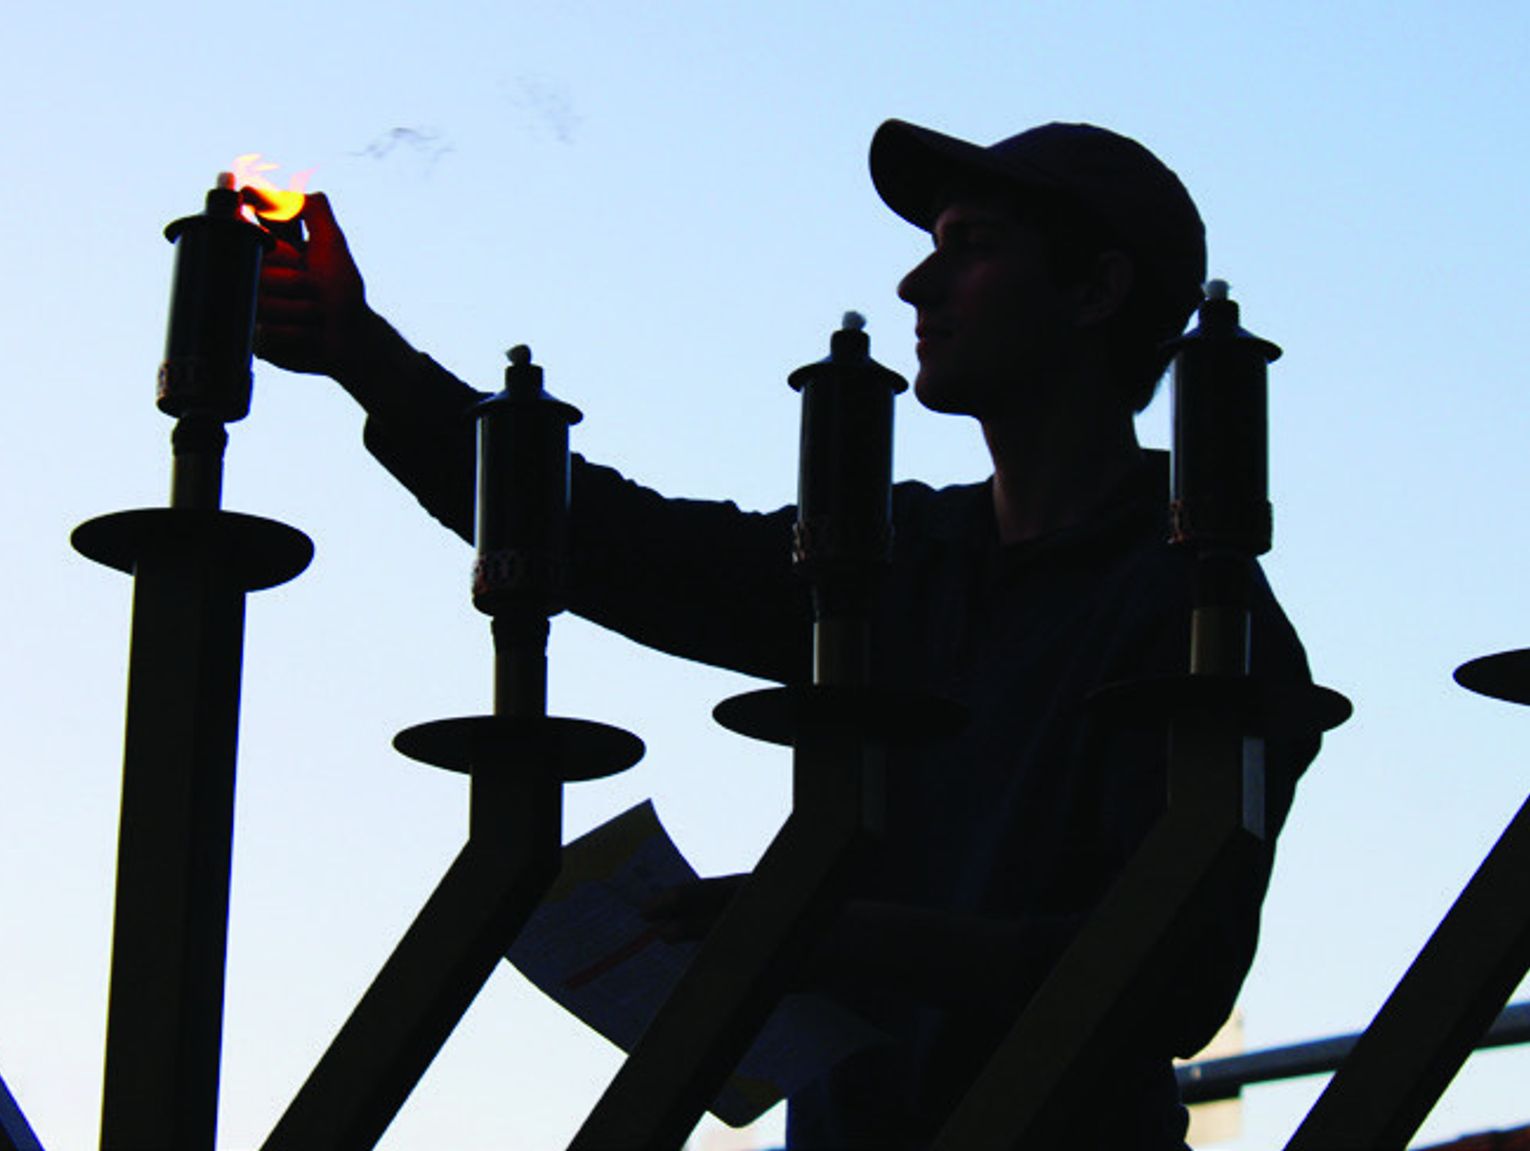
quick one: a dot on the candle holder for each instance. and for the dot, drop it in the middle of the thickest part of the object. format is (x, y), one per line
(1220, 496)
(192, 566)
(838, 727)
(208, 341)
(841, 543)
(205, 379)
(517, 760)
(1219, 512)
(1218, 717)
(843, 534)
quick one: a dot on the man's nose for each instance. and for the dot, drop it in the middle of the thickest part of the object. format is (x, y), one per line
(919, 284)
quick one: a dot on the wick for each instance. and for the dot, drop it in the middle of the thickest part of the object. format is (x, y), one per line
(1216, 289)
(519, 356)
(226, 181)
(854, 321)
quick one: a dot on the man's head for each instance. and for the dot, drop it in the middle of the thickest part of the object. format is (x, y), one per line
(1114, 222)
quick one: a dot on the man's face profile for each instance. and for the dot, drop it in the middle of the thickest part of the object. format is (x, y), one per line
(991, 317)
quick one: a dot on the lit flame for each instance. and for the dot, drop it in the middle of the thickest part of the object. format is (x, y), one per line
(271, 203)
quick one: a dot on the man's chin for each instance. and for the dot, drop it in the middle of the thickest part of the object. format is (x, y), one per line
(940, 394)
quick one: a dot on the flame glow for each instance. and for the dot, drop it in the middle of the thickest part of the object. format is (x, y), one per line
(270, 202)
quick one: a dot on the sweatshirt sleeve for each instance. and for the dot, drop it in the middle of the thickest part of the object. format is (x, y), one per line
(698, 579)
(429, 448)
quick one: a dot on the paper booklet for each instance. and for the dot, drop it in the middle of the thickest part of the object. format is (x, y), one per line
(589, 948)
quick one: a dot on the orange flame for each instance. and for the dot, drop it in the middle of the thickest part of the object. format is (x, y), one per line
(269, 202)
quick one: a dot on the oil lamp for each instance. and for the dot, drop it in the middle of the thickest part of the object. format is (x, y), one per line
(193, 564)
(1220, 485)
(208, 342)
(205, 379)
(1220, 499)
(522, 532)
(843, 533)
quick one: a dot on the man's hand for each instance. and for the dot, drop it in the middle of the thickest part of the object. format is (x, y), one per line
(313, 314)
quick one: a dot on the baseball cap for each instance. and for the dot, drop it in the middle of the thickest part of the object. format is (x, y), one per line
(1109, 177)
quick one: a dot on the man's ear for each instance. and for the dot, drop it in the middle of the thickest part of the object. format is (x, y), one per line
(1104, 292)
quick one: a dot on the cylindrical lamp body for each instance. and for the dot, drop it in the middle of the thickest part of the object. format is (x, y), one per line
(1221, 435)
(843, 532)
(210, 335)
(523, 499)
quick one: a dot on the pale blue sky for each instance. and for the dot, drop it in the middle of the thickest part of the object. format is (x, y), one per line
(670, 204)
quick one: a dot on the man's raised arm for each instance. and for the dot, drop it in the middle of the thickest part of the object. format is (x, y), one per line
(314, 318)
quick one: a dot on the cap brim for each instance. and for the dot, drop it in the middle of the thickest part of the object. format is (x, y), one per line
(912, 166)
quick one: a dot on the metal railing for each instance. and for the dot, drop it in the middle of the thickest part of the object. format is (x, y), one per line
(1207, 1080)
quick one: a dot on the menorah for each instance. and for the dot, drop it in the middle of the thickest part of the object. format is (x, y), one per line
(193, 563)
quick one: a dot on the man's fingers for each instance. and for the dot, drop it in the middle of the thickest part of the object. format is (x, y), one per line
(284, 255)
(303, 310)
(323, 231)
(275, 333)
(289, 283)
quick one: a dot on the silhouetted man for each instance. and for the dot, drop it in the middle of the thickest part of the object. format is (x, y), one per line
(1064, 258)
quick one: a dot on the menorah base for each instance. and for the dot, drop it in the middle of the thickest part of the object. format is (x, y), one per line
(1259, 708)
(256, 553)
(572, 749)
(192, 570)
(785, 715)
(1505, 676)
